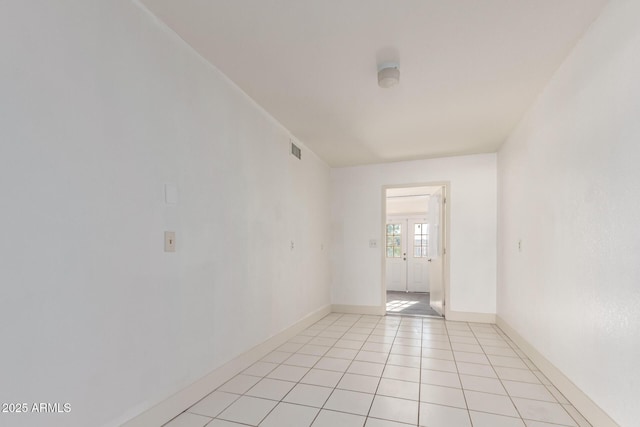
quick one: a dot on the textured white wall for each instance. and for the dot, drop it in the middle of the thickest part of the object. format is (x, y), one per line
(569, 186)
(100, 108)
(357, 218)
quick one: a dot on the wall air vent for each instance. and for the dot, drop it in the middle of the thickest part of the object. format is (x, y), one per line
(296, 151)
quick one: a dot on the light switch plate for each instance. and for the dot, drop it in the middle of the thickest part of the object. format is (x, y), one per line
(169, 241)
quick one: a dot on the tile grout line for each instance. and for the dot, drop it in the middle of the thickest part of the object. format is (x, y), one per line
(464, 396)
(383, 369)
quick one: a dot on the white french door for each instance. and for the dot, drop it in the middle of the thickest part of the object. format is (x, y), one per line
(417, 264)
(406, 255)
(396, 255)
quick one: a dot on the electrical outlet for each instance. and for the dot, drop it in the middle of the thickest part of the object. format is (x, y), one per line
(373, 243)
(169, 241)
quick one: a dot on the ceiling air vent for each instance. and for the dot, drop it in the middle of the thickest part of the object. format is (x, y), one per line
(296, 151)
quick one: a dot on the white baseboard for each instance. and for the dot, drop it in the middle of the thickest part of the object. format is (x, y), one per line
(167, 409)
(464, 316)
(375, 310)
(583, 403)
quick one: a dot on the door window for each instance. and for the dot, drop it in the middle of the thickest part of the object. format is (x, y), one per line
(394, 241)
(421, 240)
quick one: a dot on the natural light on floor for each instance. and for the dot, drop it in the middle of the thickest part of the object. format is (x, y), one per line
(398, 305)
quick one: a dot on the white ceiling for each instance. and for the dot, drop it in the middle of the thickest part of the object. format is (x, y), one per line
(468, 68)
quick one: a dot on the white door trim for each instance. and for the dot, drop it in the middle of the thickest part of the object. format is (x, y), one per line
(447, 244)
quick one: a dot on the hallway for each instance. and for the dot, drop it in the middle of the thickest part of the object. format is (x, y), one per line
(409, 303)
(352, 370)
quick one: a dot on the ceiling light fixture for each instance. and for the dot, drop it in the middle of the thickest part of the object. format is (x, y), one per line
(388, 74)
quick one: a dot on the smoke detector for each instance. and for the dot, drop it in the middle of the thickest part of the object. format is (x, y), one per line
(388, 75)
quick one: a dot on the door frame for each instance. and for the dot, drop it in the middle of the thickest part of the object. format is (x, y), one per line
(446, 240)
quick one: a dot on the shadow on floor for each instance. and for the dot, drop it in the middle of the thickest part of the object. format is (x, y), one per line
(409, 303)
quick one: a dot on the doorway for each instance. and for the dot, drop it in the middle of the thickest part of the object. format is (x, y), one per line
(414, 250)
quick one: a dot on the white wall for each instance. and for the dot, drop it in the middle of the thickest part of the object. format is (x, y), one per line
(357, 218)
(569, 186)
(101, 106)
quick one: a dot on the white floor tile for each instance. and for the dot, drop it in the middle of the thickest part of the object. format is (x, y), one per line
(223, 423)
(437, 353)
(491, 403)
(310, 395)
(543, 411)
(187, 419)
(342, 353)
(464, 356)
(366, 368)
(314, 350)
(276, 357)
(406, 350)
(288, 415)
(470, 348)
(213, 404)
(269, 388)
(410, 342)
(288, 373)
(481, 419)
(384, 339)
(355, 336)
(532, 423)
(304, 360)
(499, 351)
(300, 339)
(509, 362)
(464, 340)
(290, 347)
(443, 416)
(361, 383)
(260, 369)
(403, 360)
(349, 344)
(440, 395)
(376, 422)
(322, 378)
(447, 379)
(514, 374)
(333, 364)
(376, 346)
(484, 384)
(528, 391)
(248, 410)
(401, 373)
(338, 419)
(325, 341)
(352, 402)
(476, 369)
(400, 389)
(239, 384)
(391, 408)
(371, 356)
(439, 364)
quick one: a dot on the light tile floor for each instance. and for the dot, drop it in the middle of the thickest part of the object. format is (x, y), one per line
(369, 371)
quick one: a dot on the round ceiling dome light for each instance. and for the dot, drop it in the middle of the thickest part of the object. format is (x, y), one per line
(388, 75)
